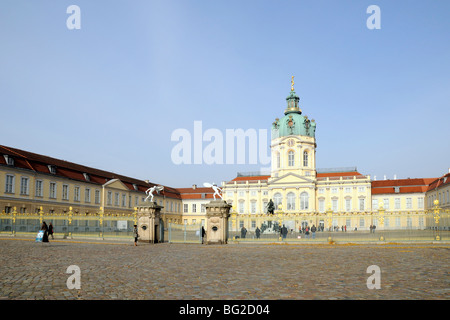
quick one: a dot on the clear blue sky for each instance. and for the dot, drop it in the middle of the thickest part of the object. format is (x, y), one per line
(110, 94)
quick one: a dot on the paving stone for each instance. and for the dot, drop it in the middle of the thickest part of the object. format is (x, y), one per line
(244, 271)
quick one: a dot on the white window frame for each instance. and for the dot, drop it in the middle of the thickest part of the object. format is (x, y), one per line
(52, 190)
(76, 194)
(38, 188)
(10, 185)
(65, 192)
(24, 186)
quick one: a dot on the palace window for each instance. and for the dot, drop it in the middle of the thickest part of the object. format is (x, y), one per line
(253, 207)
(194, 207)
(408, 203)
(291, 201)
(76, 194)
(420, 202)
(52, 190)
(65, 192)
(305, 158)
(291, 158)
(278, 160)
(116, 199)
(334, 205)
(185, 208)
(374, 204)
(348, 204)
(321, 205)
(9, 185)
(109, 198)
(241, 206)
(362, 204)
(397, 203)
(97, 197)
(304, 201)
(87, 195)
(38, 189)
(386, 203)
(24, 186)
(277, 200)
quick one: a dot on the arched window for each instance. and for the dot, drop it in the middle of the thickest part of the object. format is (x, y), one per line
(278, 160)
(305, 158)
(304, 201)
(291, 158)
(290, 201)
(277, 200)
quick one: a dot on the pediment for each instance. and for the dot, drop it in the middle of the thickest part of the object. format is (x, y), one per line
(116, 184)
(291, 178)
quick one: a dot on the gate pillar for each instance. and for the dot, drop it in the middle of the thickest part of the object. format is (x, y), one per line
(217, 213)
(149, 221)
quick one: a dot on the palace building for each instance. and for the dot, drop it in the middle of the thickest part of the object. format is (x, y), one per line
(301, 193)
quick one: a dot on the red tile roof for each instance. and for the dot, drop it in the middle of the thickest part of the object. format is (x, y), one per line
(338, 174)
(39, 163)
(439, 182)
(417, 185)
(251, 178)
(197, 193)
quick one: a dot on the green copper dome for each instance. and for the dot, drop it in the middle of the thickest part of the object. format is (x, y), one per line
(293, 123)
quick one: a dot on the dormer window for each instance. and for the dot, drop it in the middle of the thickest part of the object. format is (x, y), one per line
(9, 160)
(86, 177)
(397, 189)
(52, 169)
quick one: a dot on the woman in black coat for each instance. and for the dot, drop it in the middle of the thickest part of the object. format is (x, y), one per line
(45, 229)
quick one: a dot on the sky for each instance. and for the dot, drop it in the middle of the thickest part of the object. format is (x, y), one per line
(111, 94)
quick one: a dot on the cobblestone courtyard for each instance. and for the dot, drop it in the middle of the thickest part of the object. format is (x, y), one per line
(30, 270)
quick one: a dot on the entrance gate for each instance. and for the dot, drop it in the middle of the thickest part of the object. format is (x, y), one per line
(179, 233)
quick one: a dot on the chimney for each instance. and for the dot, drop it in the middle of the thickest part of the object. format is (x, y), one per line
(194, 186)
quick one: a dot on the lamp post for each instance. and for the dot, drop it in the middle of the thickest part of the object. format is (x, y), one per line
(70, 222)
(280, 219)
(14, 221)
(437, 217)
(381, 219)
(329, 221)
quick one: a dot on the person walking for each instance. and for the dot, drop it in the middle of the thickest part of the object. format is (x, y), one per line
(135, 235)
(203, 234)
(313, 231)
(257, 232)
(50, 230)
(243, 232)
(44, 228)
(284, 232)
(307, 232)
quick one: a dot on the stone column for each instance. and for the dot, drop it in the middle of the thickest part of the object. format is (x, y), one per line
(217, 213)
(148, 221)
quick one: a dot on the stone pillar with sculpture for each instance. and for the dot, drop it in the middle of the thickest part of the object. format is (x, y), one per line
(149, 218)
(217, 213)
(148, 222)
